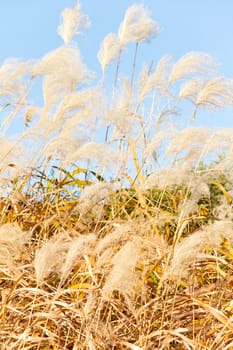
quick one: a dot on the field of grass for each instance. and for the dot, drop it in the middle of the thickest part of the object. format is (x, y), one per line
(116, 219)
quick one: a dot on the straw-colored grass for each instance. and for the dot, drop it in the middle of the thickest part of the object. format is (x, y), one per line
(116, 223)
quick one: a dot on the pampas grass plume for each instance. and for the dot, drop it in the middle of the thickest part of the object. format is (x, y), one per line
(192, 63)
(97, 152)
(156, 80)
(193, 246)
(216, 93)
(77, 248)
(63, 72)
(137, 26)
(109, 50)
(73, 21)
(49, 258)
(191, 89)
(12, 241)
(122, 276)
(94, 195)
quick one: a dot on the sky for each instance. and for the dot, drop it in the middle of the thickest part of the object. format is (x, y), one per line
(28, 30)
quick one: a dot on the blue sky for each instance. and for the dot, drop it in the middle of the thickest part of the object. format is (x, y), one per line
(28, 29)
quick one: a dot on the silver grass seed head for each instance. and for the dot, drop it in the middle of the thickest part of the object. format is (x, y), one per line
(49, 258)
(156, 80)
(189, 138)
(97, 152)
(73, 21)
(65, 60)
(137, 26)
(63, 71)
(14, 77)
(94, 195)
(109, 50)
(191, 89)
(216, 93)
(122, 276)
(193, 246)
(192, 63)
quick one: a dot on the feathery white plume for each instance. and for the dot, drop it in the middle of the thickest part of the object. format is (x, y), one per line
(83, 106)
(193, 246)
(216, 93)
(50, 257)
(11, 154)
(121, 114)
(63, 70)
(220, 140)
(59, 255)
(97, 152)
(168, 177)
(12, 237)
(191, 89)
(109, 50)
(189, 139)
(63, 145)
(154, 144)
(77, 248)
(73, 21)
(156, 80)
(12, 243)
(137, 26)
(12, 82)
(95, 195)
(122, 276)
(192, 63)
(121, 232)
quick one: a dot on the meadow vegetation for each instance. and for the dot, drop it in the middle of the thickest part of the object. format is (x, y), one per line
(116, 220)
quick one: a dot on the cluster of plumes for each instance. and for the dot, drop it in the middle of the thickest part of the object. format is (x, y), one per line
(130, 244)
(137, 26)
(12, 244)
(192, 146)
(59, 255)
(69, 124)
(187, 252)
(65, 127)
(116, 256)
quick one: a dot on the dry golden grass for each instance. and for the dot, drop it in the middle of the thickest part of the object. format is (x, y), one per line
(115, 293)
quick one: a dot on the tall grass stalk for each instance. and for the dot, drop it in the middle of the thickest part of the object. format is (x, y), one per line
(134, 64)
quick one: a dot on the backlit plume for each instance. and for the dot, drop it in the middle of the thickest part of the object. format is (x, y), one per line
(74, 20)
(109, 50)
(137, 26)
(192, 63)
